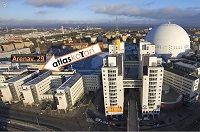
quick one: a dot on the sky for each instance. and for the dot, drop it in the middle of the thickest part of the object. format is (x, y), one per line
(16, 12)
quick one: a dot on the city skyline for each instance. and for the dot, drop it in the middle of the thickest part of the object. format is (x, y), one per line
(144, 12)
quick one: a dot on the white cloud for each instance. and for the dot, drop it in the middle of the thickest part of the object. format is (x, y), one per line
(166, 13)
(50, 3)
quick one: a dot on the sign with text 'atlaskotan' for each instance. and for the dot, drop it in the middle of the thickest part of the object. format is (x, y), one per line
(54, 64)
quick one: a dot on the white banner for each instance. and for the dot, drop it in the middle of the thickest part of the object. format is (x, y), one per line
(55, 63)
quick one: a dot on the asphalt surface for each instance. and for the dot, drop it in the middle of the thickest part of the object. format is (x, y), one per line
(76, 120)
(71, 123)
(132, 112)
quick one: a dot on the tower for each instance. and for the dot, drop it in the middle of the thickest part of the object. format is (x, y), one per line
(151, 72)
(62, 29)
(112, 75)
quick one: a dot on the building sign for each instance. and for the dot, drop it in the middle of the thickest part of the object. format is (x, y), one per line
(115, 109)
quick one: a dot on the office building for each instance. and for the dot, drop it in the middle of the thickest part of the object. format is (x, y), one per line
(40, 88)
(184, 78)
(69, 92)
(152, 81)
(11, 88)
(91, 82)
(112, 76)
(122, 71)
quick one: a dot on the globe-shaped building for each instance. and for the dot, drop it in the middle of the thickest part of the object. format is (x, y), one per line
(170, 39)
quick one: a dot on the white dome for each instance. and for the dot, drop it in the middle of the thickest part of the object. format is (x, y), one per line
(169, 39)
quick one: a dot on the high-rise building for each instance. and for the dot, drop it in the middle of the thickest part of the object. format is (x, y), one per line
(116, 77)
(112, 75)
(152, 80)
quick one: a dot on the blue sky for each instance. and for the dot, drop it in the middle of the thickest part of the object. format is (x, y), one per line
(100, 11)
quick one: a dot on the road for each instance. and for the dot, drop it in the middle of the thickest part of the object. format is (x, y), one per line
(72, 123)
(132, 123)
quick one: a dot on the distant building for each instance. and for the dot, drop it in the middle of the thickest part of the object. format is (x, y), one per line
(18, 51)
(8, 47)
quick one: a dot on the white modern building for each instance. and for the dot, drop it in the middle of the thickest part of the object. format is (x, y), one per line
(148, 79)
(91, 82)
(152, 81)
(40, 88)
(117, 47)
(69, 92)
(11, 88)
(112, 76)
(180, 78)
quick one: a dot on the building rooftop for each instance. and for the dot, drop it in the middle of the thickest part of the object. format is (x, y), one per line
(89, 72)
(181, 73)
(131, 73)
(70, 81)
(18, 77)
(21, 69)
(39, 77)
(118, 62)
(188, 64)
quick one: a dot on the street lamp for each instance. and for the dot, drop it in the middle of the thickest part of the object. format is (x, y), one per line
(37, 120)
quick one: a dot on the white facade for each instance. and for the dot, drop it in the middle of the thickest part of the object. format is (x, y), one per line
(5, 93)
(186, 85)
(112, 75)
(13, 86)
(151, 73)
(169, 39)
(152, 90)
(91, 82)
(40, 88)
(117, 48)
(69, 92)
(145, 48)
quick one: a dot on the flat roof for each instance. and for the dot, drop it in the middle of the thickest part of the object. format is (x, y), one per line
(18, 77)
(70, 81)
(181, 73)
(39, 77)
(90, 72)
(21, 69)
(131, 73)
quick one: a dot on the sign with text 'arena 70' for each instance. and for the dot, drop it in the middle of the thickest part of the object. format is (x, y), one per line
(54, 64)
